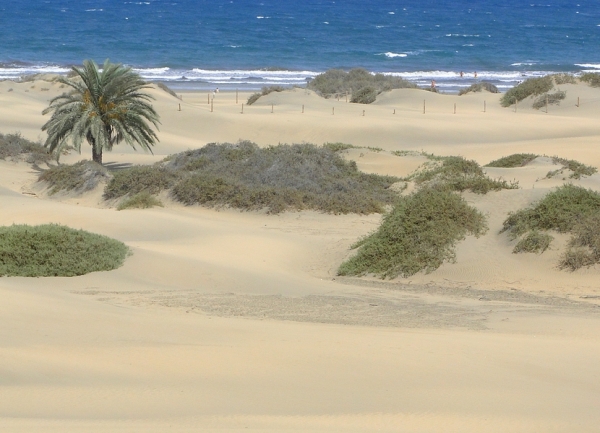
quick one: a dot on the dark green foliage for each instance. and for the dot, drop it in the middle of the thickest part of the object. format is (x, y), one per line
(529, 87)
(479, 87)
(365, 95)
(298, 176)
(56, 251)
(166, 88)
(265, 91)
(104, 108)
(560, 210)
(458, 174)
(339, 147)
(584, 246)
(564, 79)
(533, 242)
(512, 161)
(578, 169)
(142, 178)
(337, 82)
(80, 177)
(592, 78)
(550, 99)
(419, 234)
(142, 200)
(15, 147)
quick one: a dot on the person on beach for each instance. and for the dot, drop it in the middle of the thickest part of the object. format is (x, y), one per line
(433, 89)
(462, 74)
(475, 74)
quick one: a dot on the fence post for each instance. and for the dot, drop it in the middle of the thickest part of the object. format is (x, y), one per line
(242, 108)
(332, 111)
(302, 108)
(179, 107)
(423, 106)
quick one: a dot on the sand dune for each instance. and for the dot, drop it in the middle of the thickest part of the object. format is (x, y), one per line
(232, 321)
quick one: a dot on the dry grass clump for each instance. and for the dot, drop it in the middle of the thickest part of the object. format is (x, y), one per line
(568, 209)
(265, 91)
(419, 234)
(512, 161)
(479, 87)
(297, 176)
(577, 168)
(564, 78)
(360, 83)
(550, 99)
(79, 178)
(15, 147)
(457, 174)
(533, 242)
(529, 87)
(142, 200)
(339, 147)
(142, 178)
(592, 78)
(53, 250)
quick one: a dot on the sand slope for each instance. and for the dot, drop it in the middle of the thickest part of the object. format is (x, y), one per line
(229, 321)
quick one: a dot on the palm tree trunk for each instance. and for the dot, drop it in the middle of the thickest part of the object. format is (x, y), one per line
(96, 154)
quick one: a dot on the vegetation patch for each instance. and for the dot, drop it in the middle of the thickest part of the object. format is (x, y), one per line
(533, 242)
(584, 246)
(339, 147)
(457, 174)
(142, 200)
(53, 250)
(151, 179)
(529, 87)
(479, 87)
(297, 176)
(265, 91)
(16, 148)
(549, 99)
(419, 234)
(577, 168)
(79, 178)
(591, 78)
(513, 161)
(360, 83)
(564, 78)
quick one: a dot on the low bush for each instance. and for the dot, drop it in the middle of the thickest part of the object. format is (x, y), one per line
(298, 176)
(592, 78)
(265, 91)
(52, 250)
(142, 200)
(360, 83)
(564, 78)
(584, 246)
(512, 161)
(419, 234)
(533, 242)
(142, 178)
(479, 87)
(457, 174)
(15, 147)
(339, 147)
(529, 87)
(550, 99)
(79, 178)
(577, 168)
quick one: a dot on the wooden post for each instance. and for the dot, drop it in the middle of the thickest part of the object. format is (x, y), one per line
(578, 102)
(346, 97)
(211, 106)
(179, 107)
(271, 108)
(332, 111)
(242, 108)
(363, 113)
(423, 106)
(394, 111)
(302, 108)
(236, 96)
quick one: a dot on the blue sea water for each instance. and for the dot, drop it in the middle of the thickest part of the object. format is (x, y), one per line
(247, 44)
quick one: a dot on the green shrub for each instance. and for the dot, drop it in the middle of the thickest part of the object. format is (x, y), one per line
(458, 174)
(592, 78)
(419, 234)
(142, 200)
(550, 99)
(298, 176)
(335, 82)
(142, 178)
(339, 147)
(584, 246)
(265, 91)
(533, 242)
(512, 161)
(559, 210)
(52, 250)
(564, 79)
(15, 147)
(365, 95)
(577, 168)
(479, 87)
(529, 87)
(80, 177)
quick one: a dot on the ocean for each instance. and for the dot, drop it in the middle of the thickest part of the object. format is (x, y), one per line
(248, 44)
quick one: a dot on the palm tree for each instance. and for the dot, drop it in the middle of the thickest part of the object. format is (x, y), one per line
(104, 107)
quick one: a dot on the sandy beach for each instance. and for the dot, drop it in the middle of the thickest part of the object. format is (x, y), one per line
(234, 321)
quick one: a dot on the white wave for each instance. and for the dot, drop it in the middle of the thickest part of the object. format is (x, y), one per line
(588, 65)
(393, 55)
(151, 71)
(94, 10)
